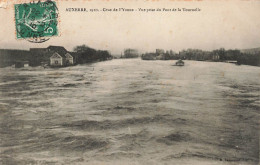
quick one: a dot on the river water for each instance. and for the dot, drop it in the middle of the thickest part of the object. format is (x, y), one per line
(129, 111)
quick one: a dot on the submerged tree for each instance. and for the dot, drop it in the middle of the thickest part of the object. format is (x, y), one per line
(87, 54)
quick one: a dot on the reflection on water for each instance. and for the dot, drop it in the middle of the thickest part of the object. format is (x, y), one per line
(130, 111)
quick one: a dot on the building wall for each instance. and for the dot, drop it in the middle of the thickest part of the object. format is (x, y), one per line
(215, 57)
(9, 56)
(130, 53)
(70, 60)
(39, 55)
(56, 62)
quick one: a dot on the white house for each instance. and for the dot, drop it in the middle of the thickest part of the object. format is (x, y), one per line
(69, 59)
(60, 59)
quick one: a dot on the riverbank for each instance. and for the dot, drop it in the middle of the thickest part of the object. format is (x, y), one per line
(240, 57)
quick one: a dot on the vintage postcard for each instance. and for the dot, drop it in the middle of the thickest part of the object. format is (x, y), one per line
(123, 82)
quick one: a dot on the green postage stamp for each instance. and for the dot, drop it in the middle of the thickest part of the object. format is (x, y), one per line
(36, 22)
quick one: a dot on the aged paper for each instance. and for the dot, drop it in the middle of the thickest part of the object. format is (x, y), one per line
(129, 82)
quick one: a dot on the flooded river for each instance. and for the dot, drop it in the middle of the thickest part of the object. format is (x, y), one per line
(129, 111)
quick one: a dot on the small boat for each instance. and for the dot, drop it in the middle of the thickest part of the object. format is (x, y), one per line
(179, 63)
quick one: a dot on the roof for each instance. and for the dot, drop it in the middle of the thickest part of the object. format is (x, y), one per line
(63, 55)
(22, 62)
(38, 49)
(179, 62)
(59, 49)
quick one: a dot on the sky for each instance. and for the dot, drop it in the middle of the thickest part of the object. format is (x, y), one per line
(229, 24)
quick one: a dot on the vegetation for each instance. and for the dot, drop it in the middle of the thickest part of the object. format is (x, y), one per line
(218, 55)
(85, 54)
(249, 59)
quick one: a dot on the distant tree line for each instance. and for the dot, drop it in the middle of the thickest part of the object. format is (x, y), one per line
(218, 55)
(249, 59)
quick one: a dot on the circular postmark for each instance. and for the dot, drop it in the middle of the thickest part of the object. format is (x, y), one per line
(36, 22)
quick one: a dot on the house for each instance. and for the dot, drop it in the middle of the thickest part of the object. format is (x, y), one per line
(215, 57)
(9, 57)
(149, 56)
(26, 64)
(36, 57)
(59, 49)
(60, 56)
(21, 64)
(52, 55)
(61, 59)
(130, 53)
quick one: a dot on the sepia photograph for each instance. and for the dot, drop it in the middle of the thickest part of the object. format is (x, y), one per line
(129, 82)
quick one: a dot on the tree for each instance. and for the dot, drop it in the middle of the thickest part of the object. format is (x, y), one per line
(86, 54)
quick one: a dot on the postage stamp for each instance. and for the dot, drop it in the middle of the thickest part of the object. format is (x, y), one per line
(36, 21)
